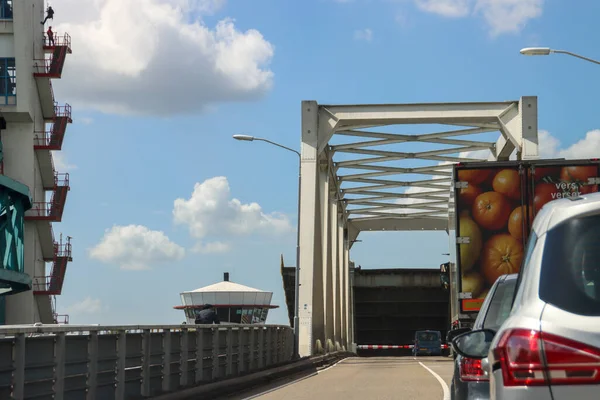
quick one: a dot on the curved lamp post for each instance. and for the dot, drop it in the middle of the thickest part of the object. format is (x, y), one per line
(545, 51)
(248, 138)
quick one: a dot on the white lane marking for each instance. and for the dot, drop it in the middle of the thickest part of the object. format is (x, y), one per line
(445, 388)
(292, 382)
(331, 366)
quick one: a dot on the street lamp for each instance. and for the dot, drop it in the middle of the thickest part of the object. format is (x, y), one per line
(545, 51)
(248, 138)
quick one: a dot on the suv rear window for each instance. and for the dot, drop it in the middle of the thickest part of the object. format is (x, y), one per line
(428, 336)
(570, 276)
(501, 304)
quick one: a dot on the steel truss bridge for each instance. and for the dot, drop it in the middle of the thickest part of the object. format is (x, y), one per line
(359, 173)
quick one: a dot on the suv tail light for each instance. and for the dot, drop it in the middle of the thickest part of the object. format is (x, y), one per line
(522, 353)
(470, 370)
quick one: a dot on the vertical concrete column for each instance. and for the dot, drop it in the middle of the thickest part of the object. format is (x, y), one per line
(343, 282)
(528, 110)
(337, 311)
(311, 315)
(326, 229)
(349, 297)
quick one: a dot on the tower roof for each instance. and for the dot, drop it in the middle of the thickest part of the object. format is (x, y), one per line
(226, 286)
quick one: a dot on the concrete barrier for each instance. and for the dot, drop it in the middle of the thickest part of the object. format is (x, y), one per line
(133, 361)
(245, 383)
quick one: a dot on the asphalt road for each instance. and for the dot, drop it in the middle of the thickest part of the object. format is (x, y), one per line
(373, 378)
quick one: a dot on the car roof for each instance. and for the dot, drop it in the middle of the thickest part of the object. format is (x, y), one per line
(557, 211)
(488, 300)
(509, 277)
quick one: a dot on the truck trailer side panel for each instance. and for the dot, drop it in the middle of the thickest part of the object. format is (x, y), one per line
(494, 206)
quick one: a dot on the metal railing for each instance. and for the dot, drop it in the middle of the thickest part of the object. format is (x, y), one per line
(59, 40)
(52, 284)
(63, 111)
(42, 66)
(122, 362)
(41, 284)
(52, 139)
(48, 209)
(61, 318)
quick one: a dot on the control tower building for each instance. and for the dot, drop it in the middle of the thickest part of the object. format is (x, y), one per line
(233, 302)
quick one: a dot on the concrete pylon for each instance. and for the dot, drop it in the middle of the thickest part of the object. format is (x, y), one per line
(322, 254)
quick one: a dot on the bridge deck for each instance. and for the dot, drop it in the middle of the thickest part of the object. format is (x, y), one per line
(365, 378)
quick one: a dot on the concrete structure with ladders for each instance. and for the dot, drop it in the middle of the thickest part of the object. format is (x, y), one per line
(343, 195)
(35, 127)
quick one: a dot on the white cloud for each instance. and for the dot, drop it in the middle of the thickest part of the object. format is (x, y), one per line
(86, 306)
(211, 247)
(402, 19)
(508, 16)
(588, 147)
(85, 120)
(363, 34)
(135, 247)
(209, 7)
(551, 147)
(211, 211)
(548, 144)
(447, 8)
(154, 57)
(501, 16)
(61, 163)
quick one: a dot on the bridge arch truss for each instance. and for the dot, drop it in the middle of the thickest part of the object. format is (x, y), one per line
(359, 174)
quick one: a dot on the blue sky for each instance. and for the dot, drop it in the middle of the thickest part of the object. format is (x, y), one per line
(156, 101)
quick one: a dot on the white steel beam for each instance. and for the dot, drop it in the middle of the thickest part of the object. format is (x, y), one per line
(388, 214)
(311, 315)
(401, 224)
(353, 233)
(379, 205)
(336, 279)
(348, 307)
(343, 266)
(422, 154)
(386, 184)
(327, 250)
(372, 143)
(387, 196)
(404, 156)
(386, 171)
(394, 138)
(345, 117)
(519, 130)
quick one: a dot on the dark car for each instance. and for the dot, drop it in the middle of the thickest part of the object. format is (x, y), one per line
(469, 381)
(427, 343)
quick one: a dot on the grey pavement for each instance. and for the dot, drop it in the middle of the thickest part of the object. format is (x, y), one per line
(372, 378)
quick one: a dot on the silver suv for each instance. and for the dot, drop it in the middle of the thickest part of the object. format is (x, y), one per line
(549, 346)
(470, 381)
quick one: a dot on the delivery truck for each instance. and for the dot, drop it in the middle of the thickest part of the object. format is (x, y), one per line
(492, 206)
